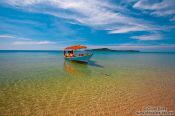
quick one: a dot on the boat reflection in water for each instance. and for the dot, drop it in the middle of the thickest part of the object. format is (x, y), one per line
(76, 69)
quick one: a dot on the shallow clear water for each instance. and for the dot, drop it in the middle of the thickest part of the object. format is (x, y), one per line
(43, 83)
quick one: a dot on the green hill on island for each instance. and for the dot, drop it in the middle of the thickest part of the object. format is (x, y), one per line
(107, 49)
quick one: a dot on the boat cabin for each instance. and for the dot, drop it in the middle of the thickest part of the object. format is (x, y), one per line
(73, 51)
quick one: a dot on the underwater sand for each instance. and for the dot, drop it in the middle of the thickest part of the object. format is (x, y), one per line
(112, 84)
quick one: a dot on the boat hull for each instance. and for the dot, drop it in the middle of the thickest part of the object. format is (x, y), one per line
(80, 58)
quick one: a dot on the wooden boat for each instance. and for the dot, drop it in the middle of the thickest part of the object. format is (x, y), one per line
(77, 53)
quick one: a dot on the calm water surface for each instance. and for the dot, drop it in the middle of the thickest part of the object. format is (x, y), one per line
(43, 83)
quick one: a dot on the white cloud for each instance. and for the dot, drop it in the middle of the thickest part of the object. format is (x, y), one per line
(151, 5)
(126, 30)
(101, 15)
(19, 3)
(94, 13)
(158, 8)
(148, 37)
(34, 43)
(25, 41)
(6, 36)
(164, 13)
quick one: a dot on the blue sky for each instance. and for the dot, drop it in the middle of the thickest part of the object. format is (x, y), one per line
(146, 25)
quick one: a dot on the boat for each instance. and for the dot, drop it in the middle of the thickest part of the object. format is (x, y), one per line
(77, 53)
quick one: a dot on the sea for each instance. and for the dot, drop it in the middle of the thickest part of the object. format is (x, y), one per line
(42, 83)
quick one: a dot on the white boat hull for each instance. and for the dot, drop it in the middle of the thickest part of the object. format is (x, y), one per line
(84, 58)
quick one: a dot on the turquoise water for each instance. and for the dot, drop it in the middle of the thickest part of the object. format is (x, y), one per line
(43, 83)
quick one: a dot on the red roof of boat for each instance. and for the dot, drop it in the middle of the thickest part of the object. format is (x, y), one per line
(75, 47)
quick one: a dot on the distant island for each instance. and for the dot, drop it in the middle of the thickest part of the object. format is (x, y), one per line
(107, 49)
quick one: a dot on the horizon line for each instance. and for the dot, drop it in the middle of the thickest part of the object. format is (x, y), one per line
(97, 51)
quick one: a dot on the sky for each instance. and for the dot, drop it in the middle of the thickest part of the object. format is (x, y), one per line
(146, 25)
